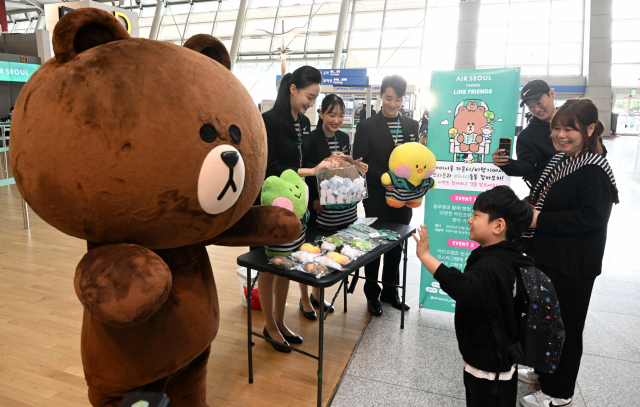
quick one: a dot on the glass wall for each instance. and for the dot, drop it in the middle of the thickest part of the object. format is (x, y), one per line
(544, 37)
(395, 39)
(625, 70)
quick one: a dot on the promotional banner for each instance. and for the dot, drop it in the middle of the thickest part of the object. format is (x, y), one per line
(471, 111)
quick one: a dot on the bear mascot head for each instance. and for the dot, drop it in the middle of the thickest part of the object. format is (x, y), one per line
(148, 151)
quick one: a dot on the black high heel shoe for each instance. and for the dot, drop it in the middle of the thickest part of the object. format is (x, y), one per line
(276, 346)
(315, 303)
(309, 315)
(294, 339)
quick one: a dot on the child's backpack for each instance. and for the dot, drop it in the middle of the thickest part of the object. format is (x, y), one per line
(541, 332)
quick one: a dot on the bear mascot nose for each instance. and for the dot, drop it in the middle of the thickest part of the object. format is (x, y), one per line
(230, 158)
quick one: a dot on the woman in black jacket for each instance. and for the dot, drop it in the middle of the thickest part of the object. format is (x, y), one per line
(289, 147)
(572, 203)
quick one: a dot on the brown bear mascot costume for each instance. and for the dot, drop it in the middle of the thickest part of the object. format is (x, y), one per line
(148, 151)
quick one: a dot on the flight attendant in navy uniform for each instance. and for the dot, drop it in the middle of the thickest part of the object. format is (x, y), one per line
(375, 139)
(289, 147)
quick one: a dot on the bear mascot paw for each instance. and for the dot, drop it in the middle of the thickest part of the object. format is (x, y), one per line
(411, 166)
(149, 151)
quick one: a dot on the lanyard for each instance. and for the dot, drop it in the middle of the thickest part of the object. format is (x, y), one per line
(397, 130)
(335, 142)
(300, 140)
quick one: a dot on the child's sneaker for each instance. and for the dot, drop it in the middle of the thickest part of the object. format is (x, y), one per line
(539, 399)
(528, 376)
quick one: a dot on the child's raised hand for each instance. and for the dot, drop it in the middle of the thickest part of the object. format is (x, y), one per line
(422, 244)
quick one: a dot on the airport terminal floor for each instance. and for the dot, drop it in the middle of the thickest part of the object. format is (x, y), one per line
(40, 321)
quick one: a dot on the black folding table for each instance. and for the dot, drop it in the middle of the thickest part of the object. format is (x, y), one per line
(257, 260)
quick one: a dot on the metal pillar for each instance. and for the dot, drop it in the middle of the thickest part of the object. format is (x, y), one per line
(468, 22)
(237, 33)
(42, 23)
(306, 37)
(353, 17)
(275, 25)
(424, 30)
(186, 23)
(157, 20)
(215, 19)
(384, 17)
(367, 105)
(25, 215)
(342, 24)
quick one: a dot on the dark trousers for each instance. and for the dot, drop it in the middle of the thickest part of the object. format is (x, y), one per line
(479, 391)
(574, 294)
(391, 263)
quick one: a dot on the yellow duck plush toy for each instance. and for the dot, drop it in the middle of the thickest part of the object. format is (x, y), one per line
(411, 166)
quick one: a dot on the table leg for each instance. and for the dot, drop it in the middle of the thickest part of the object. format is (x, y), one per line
(249, 324)
(404, 283)
(346, 283)
(321, 347)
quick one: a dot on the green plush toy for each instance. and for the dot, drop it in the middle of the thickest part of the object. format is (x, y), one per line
(288, 191)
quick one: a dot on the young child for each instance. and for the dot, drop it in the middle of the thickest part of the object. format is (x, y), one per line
(486, 290)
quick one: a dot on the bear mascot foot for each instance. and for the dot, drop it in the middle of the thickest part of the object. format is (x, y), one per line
(464, 147)
(474, 148)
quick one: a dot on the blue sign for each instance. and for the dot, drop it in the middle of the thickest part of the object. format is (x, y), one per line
(278, 80)
(345, 80)
(579, 89)
(360, 72)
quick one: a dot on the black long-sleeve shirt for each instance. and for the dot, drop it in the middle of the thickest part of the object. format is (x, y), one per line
(534, 150)
(282, 142)
(487, 287)
(571, 231)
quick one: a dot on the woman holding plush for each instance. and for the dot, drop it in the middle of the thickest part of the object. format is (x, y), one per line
(572, 203)
(289, 147)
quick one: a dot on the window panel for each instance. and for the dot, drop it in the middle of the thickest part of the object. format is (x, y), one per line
(325, 23)
(295, 11)
(202, 28)
(368, 20)
(225, 28)
(404, 38)
(146, 21)
(205, 7)
(625, 74)
(148, 12)
(230, 5)
(369, 5)
(365, 39)
(227, 15)
(493, 13)
(402, 19)
(536, 70)
(265, 12)
(626, 52)
(255, 45)
(626, 9)
(202, 18)
(625, 30)
(564, 54)
(258, 4)
(399, 57)
(493, 34)
(252, 26)
(534, 54)
(170, 31)
(179, 9)
(564, 70)
(327, 8)
(566, 10)
(566, 32)
(321, 43)
(144, 32)
(363, 58)
(489, 55)
(297, 44)
(530, 11)
(528, 33)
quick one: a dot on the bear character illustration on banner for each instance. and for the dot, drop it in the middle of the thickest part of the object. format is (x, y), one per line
(411, 166)
(469, 123)
(149, 151)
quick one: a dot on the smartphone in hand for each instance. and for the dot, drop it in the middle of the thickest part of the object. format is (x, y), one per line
(505, 144)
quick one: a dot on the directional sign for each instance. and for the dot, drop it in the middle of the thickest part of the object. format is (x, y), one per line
(345, 80)
(326, 73)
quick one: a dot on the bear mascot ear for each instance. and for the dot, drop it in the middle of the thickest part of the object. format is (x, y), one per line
(211, 47)
(83, 29)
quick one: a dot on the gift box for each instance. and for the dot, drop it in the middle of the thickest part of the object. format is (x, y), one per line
(342, 186)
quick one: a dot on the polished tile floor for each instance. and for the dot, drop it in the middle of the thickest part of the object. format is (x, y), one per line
(421, 365)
